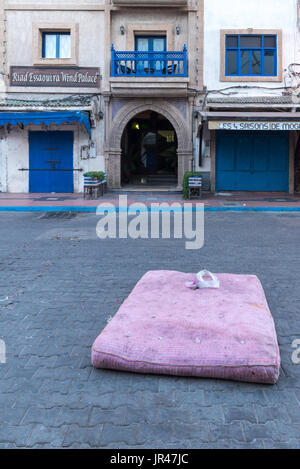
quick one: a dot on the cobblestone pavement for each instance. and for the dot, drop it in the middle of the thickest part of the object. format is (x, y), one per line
(58, 286)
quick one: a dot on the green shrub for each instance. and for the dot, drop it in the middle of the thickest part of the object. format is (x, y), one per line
(185, 183)
(96, 175)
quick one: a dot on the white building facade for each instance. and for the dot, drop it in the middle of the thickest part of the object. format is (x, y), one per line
(250, 112)
(51, 122)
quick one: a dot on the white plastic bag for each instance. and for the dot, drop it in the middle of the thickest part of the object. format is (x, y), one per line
(212, 283)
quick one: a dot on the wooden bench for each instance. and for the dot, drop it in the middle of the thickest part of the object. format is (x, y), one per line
(195, 186)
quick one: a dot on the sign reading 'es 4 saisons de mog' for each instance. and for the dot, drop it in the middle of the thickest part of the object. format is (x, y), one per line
(78, 77)
(256, 125)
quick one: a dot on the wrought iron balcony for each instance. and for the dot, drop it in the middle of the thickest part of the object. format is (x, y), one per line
(148, 64)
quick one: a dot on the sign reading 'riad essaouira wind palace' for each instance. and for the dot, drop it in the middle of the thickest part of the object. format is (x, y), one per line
(87, 77)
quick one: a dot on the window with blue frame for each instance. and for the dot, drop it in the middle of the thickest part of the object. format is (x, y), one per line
(56, 45)
(251, 55)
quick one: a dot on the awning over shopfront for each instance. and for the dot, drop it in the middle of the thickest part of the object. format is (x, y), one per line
(37, 118)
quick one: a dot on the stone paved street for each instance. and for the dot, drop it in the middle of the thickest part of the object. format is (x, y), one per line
(59, 284)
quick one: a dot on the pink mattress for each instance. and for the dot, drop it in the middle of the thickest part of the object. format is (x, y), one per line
(166, 328)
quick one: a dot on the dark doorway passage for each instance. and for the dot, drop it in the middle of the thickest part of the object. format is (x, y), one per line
(149, 151)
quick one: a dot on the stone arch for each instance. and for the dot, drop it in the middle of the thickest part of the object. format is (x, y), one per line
(123, 117)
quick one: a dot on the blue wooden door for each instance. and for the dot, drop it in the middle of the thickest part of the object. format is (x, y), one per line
(51, 161)
(252, 161)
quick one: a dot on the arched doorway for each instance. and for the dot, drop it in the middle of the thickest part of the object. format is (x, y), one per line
(126, 114)
(149, 151)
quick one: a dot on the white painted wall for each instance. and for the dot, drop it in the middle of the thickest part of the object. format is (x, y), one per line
(14, 149)
(241, 14)
(17, 157)
(206, 161)
(149, 17)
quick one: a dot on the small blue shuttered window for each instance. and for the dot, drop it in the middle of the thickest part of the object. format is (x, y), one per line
(56, 45)
(251, 55)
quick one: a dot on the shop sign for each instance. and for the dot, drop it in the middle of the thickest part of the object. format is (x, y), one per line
(253, 125)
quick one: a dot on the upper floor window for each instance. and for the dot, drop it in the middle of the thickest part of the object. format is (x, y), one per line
(56, 45)
(250, 55)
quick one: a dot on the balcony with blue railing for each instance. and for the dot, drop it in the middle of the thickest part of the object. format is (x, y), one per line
(168, 64)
